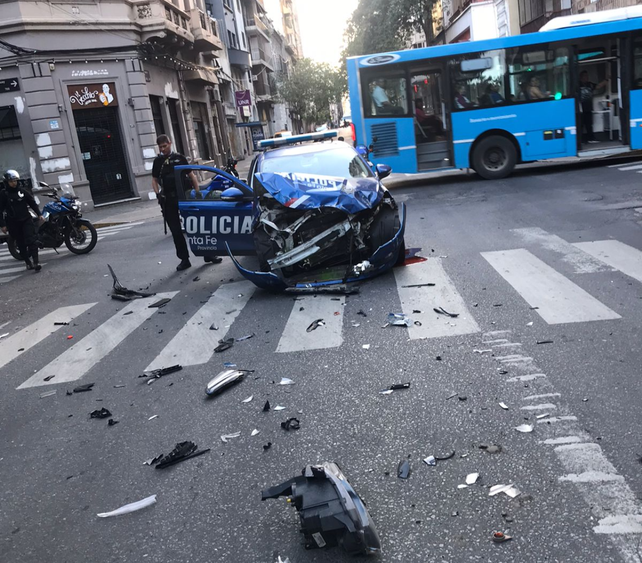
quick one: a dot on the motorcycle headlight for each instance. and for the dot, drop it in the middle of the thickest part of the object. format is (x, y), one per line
(76, 206)
(45, 214)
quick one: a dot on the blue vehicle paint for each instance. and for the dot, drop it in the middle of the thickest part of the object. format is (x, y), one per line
(635, 120)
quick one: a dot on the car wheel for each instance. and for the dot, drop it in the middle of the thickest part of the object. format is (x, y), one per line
(494, 157)
(401, 257)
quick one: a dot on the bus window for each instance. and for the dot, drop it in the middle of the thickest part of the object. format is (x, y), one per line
(478, 80)
(637, 65)
(538, 74)
(385, 94)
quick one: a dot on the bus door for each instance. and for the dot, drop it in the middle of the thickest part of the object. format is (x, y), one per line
(431, 126)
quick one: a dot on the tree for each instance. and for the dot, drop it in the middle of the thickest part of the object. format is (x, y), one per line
(310, 89)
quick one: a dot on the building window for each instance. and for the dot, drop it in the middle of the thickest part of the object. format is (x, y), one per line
(8, 124)
(157, 114)
(530, 10)
(478, 80)
(201, 130)
(176, 125)
(386, 93)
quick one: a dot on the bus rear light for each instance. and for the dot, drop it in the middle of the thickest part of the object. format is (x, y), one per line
(354, 132)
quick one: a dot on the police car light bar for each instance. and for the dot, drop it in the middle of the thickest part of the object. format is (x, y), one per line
(296, 139)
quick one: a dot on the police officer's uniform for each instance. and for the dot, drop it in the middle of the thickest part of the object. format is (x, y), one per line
(14, 214)
(163, 171)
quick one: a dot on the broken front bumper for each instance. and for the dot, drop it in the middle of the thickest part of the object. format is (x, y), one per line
(383, 259)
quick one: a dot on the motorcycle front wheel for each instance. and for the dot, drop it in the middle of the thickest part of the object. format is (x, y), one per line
(82, 237)
(13, 249)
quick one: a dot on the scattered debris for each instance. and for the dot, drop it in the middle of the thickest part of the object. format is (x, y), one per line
(47, 394)
(267, 446)
(543, 415)
(525, 428)
(430, 460)
(529, 324)
(544, 342)
(386, 392)
(511, 490)
(4, 335)
(102, 413)
(224, 345)
(438, 358)
(181, 452)
(255, 432)
(504, 406)
(197, 278)
(245, 337)
(320, 495)
(160, 303)
(279, 408)
(249, 399)
(226, 437)
(398, 319)
(266, 406)
(112, 422)
(488, 351)
(69, 337)
(49, 378)
(366, 346)
(286, 381)
(451, 396)
(444, 458)
(61, 323)
(443, 311)
(122, 293)
(395, 387)
(339, 289)
(500, 537)
(502, 371)
(132, 507)
(420, 285)
(471, 478)
(160, 372)
(462, 486)
(153, 460)
(224, 380)
(213, 326)
(153, 417)
(362, 313)
(314, 325)
(291, 424)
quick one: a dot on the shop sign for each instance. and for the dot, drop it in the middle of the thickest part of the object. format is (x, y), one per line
(243, 99)
(85, 96)
(90, 72)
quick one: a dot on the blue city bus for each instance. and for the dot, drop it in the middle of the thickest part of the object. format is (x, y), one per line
(572, 89)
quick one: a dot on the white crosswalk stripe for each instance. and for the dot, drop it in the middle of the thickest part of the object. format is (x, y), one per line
(424, 298)
(195, 342)
(616, 254)
(13, 346)
(81, 357)
(14, 269)
(295, 337)
(7, 279)
(558, 299)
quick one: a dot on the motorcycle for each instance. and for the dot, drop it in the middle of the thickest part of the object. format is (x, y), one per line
(62, 224)
(218, 184)
(230, 167)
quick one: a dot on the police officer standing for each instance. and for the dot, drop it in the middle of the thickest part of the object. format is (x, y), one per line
(15, 218)
(164, 184)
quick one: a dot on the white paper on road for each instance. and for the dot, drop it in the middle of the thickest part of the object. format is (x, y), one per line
(443, 294)
(295, 337)
(195, 342)
(558, 299)
(616, 254)
(38, 331)
(82, 356)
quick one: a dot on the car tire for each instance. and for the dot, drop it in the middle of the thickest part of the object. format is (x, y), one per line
(494, 157)
(401, 257)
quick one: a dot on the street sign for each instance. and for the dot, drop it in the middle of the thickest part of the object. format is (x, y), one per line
(9, 85)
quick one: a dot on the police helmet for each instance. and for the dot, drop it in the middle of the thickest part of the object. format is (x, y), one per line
(11, 175)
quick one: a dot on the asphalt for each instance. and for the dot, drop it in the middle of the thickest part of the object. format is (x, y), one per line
(59, 468)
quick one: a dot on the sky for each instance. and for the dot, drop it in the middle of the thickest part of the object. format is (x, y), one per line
(322, 23)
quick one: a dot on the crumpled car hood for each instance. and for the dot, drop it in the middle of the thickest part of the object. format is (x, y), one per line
(301, 191)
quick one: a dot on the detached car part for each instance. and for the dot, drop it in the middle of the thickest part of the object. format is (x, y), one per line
(331, 512)
(224, 380)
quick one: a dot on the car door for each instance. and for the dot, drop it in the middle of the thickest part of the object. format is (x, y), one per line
(222, 217)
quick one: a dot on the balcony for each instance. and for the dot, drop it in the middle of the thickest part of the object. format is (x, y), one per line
(239, 57)
(162, 20)
(262, 58)
(230, 110)
(207, 75)
(204, 30)
(255, 26)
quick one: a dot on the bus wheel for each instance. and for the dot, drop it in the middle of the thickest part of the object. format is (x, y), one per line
(494, 157)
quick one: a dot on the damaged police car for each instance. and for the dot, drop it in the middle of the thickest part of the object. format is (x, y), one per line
(315, 214)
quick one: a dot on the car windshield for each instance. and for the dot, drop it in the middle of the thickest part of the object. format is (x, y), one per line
(339, 163)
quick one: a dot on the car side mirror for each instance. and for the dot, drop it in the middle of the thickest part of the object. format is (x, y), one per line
(232, 195)
(383, 171)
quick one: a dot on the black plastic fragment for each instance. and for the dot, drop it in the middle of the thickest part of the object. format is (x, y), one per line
(213, 326)
(160, 303)
(291, 424)
(49, 378)
(267, 446)
(102, 413)
(181, 452)
(420, 285)
(404, 470)
(247, 337)
(443, 311)
(362, 313)
(61, 323)
(224, 345)
(314, 325)
(444, 458)
(398, 386)
(84, 388)
(160, 372)
(112, 422)
(266, 406)
(121, 293)
(544, 342)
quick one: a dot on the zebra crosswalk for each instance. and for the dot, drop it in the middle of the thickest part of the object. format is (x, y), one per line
(628, 167)
(421, 287)
(11, 269)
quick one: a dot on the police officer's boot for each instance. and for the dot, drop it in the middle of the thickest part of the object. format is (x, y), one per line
(29, 263)
(36, 264)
